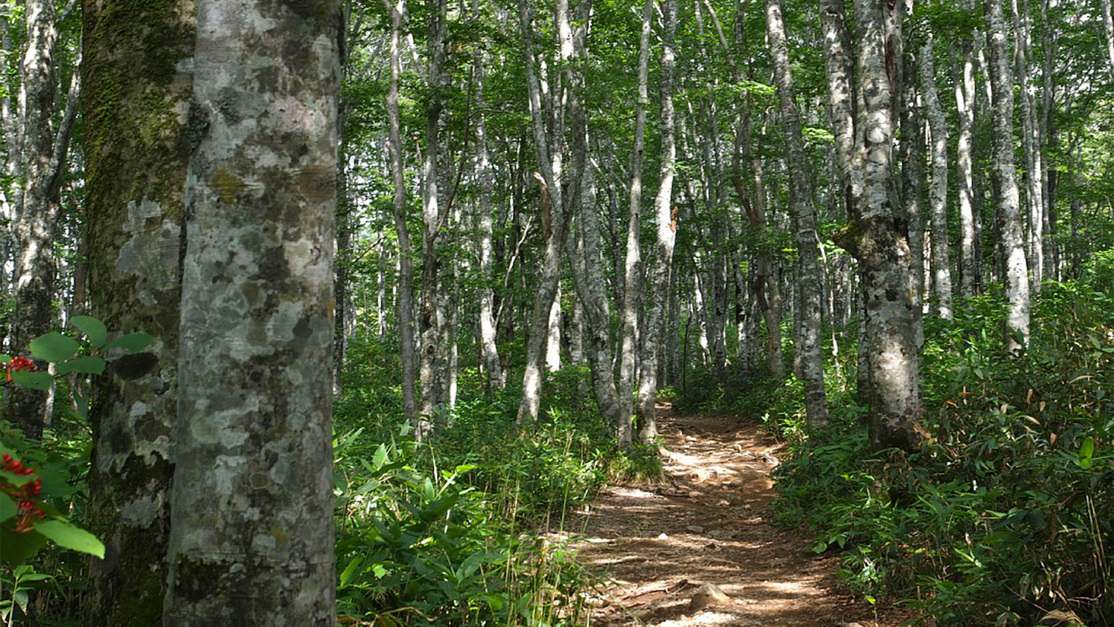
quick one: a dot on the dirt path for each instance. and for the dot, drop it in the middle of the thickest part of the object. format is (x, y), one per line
(709, 523)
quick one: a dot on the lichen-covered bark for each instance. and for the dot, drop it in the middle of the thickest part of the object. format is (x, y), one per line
(878, 239)
(252, 527)
(810, 287)
(666, 227)
(938, 184)
(137, 150)
(1005, 175)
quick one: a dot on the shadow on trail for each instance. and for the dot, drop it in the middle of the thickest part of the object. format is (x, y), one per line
(708, 522)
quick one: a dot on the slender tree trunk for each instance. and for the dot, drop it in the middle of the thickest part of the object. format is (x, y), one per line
(810, 285)
(134, 186)
(1005, 175)
(405, 302)
(434, 318)
(553, 335)
(550, 178)
(666, 235)
(878, 240)
(1108, 24)
(938, 184)
(37, 214)
(488, 346)
(1030, 142)
(632, 294)
(965, 111)
(252, 529)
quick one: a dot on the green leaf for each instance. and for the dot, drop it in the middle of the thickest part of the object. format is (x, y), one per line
(132, 342)
(16, 548)
(380, 457)
(93, 329)
(54, 347)
(350, 571)
(69, 536)
(33, 380)
(8, 507)
(1086, 453)
(5, 359)
(84, 365)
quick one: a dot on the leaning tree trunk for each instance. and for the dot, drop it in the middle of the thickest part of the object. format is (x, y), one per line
(1005, 175)
(878, 239)
(134, 198)
(810, 286)
(666, 236)
(252, 527)
(938, 184)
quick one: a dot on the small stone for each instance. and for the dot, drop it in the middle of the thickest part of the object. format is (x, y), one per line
(708, 595)
(695, 528)
(694, 494)
(723, 503)
(662, 536)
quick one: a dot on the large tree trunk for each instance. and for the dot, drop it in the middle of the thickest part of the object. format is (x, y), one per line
(252, 527)
(405, 300)
(810, 286)
(666, 235)
(879, 241)
(134, 202)
(1005, 176)
(938, 184)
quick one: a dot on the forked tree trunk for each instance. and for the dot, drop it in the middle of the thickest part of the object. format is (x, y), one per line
(878, 240)
(252, 528)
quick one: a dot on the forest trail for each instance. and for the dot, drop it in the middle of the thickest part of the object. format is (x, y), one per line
(709, 522)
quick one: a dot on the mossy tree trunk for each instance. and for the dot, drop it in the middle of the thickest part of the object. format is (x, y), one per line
(137, 150)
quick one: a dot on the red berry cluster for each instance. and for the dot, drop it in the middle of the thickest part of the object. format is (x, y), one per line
(25, 494)
(19, 364)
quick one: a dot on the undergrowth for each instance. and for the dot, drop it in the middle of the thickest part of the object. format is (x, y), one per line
(1007, 512)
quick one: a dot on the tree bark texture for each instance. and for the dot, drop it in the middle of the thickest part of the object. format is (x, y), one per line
(36, 220)
(1005, 176)
(135, 184)
(666, 228)
(938, 183)
(969, 265)
(252, 527)
(810, 286)
(404, 303)
(878, 239)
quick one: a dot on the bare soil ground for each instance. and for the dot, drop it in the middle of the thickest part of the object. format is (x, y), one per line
(709, 522)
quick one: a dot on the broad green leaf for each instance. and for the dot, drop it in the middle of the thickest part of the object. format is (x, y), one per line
(93, 329)
(8, 507)
(33, 380)
(132, 342)
(1086, 453)
(54, 347)
(84, 365)
(350, 570)
(380, 457)
(16, 548)
(68, 536)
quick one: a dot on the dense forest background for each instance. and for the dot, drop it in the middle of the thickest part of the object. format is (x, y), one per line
(886, 230)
